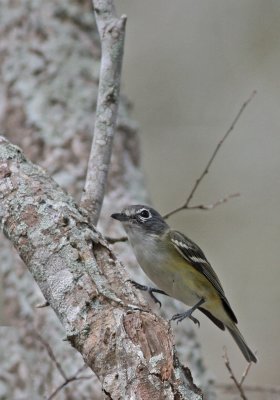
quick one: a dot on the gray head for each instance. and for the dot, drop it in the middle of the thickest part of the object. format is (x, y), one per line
(141, 218)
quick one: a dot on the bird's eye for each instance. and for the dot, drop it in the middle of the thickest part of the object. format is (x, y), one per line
(145, 214)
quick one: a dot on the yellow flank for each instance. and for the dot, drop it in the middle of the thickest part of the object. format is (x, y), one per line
(195, 280)
(190, 285)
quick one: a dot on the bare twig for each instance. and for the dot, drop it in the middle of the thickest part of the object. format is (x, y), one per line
(186, 205)
(245, 373)
(74, 377)
(42, 305)
(112, 32)
(51, 355)
(67, 380)
(213, 205)
(250, 388)
(232, 376)
(116, 240)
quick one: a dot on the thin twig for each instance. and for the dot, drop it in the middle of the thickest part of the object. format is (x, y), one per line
(72, 378)
(213, 205)
(250, 388)
(42, 305)
(186, 206)
(232, 376)
(51, 354)
(245, 373)
(112, 32)
(116, 240)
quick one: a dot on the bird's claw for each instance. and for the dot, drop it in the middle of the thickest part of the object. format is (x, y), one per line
(138, 285)
(180, 317)
(154, 298)
(195, 320)
(147, 289)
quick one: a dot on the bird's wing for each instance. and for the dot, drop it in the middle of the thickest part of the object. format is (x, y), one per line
(195, 257)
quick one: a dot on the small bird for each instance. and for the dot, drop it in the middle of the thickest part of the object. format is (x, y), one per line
(180, 269)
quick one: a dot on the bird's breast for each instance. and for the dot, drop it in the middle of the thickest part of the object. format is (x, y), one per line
(167, 269)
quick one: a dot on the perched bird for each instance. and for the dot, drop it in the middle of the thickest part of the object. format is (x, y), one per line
(180, 269)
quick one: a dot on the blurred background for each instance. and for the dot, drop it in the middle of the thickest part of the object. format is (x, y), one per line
(189, 65)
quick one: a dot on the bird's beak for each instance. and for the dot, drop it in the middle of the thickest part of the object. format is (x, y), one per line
(120, 217)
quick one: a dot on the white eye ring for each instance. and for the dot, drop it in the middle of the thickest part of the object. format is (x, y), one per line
(147, 213)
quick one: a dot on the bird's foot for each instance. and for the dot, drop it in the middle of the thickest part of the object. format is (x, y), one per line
(148, 289)
(138, 285)
(187, 314)
(156, 300)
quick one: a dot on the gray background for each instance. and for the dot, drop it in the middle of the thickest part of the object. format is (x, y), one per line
(188, 67)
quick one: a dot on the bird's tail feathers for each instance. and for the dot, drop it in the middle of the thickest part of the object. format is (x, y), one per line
(240, 341)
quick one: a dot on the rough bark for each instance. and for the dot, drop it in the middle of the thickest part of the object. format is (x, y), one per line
(49, 56)
(127, 346)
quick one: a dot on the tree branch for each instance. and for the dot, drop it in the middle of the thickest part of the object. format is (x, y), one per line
(112, 32)
(75, 377)
(51, 355)
(237, 384)
(186, 205)
(265, 389)
(214, 205)
(87, 287)
(120, 239)
(66, 380)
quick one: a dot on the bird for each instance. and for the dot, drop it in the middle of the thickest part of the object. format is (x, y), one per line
(179, 269)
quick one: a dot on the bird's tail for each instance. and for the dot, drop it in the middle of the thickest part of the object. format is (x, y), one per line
(240, 341)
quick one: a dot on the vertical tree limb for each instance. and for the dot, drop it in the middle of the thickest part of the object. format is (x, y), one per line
(112, 32)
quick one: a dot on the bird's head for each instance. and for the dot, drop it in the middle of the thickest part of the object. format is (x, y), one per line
(141, 218)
